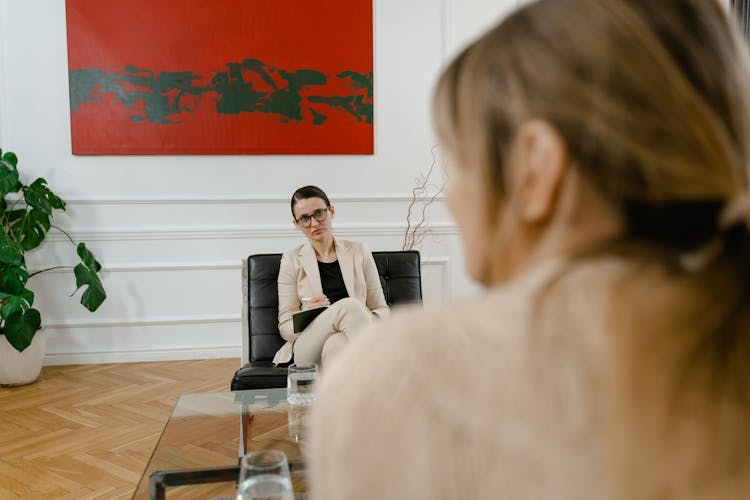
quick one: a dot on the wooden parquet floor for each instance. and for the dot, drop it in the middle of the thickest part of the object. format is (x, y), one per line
(86, 432)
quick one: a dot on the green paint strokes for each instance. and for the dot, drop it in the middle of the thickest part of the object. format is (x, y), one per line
(162, 95)
(87, 84)
(359, 80)
(236, 95)
(287, 101)
(260, 68)
(318, 118)
(354, 105)
(244, 87)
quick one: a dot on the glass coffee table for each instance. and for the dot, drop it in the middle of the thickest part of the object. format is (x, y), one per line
(199, 449)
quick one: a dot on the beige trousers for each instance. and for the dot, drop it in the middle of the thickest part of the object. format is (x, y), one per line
(331, 331)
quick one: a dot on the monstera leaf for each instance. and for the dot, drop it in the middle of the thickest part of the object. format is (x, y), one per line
(39, 196)
(11, 252)
(10, 158)
(13, 279)
(25, 223)
(9, 182)
(20, 328)
(86, 274)
(12, 304)
(31, 229)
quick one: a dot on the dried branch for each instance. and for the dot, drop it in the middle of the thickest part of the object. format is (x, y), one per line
(416, 230)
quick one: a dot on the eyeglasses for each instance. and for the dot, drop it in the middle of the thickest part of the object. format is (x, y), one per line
(320, 215)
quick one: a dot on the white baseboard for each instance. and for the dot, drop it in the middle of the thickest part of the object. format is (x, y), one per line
(135, 356)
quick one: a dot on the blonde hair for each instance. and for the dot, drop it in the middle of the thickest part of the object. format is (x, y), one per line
(649, 97)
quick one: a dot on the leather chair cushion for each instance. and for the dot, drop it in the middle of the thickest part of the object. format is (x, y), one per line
(259, 375)
(400, 276)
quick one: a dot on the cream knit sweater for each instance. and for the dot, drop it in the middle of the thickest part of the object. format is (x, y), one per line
(471, 401)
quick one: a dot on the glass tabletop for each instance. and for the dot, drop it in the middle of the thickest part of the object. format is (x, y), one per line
(206, 435)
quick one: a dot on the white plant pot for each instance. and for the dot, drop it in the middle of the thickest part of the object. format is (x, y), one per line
(19, 368)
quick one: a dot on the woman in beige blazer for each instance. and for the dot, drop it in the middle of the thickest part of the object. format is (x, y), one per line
(325, 271)
(600, 185)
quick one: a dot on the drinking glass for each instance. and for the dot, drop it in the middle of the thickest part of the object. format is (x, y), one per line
(296, 418)
(300, 384)
(264, 475)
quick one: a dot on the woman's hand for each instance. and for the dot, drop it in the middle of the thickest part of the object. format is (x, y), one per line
(320, 300)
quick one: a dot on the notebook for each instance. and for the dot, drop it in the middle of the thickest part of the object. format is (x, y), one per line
(301, 319)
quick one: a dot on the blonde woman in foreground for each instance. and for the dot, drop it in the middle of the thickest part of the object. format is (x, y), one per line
(600, 185)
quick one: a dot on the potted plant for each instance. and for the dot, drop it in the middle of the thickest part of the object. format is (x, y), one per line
(25, 218)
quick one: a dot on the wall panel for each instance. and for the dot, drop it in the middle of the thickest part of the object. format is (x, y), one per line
(171, 230)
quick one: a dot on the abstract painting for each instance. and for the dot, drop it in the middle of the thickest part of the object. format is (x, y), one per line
(220, 76)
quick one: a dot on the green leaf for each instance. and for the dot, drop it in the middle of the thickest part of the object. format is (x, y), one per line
(15, 215)
(34, 199)
(86, 274)
(11, 252)
(28, 297)
(13, 279)
(94, 295)
(8, 177)
(10, 158)
(12, 304)
(20, 328)
(88, 258)
(32, 229)
(39, 196)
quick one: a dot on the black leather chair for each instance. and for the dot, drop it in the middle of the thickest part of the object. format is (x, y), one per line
(400, 275)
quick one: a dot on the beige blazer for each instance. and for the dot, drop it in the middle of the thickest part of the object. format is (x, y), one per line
(299, 277)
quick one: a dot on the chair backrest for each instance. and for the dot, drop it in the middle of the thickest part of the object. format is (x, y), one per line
(400, 276)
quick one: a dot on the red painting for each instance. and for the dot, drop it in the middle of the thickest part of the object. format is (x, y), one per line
(220, 76)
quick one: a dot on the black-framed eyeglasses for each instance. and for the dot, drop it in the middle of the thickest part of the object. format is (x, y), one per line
(320, 215)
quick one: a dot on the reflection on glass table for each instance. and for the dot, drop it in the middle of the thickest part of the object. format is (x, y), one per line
(199, 449)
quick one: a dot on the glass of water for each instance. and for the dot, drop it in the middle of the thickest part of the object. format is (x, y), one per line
(264, 475)
(300, 384)
(297, 421)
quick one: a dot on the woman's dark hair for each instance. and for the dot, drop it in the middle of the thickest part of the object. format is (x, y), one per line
(306, 192)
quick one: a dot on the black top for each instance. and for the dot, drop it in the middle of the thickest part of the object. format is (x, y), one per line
(332, 281)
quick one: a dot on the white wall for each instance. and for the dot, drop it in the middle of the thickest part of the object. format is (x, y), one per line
(171, 230)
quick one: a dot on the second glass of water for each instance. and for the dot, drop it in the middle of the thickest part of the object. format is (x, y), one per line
(301, 381)
(264, 475)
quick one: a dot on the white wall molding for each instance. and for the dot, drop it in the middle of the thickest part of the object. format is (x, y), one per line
(444, 264)
(232, 232)
(153, 321)
(3, 85)
(158, 266)
(235, 199)
(445, 27)
(142, 355)
(200, 266)
(82, 328)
